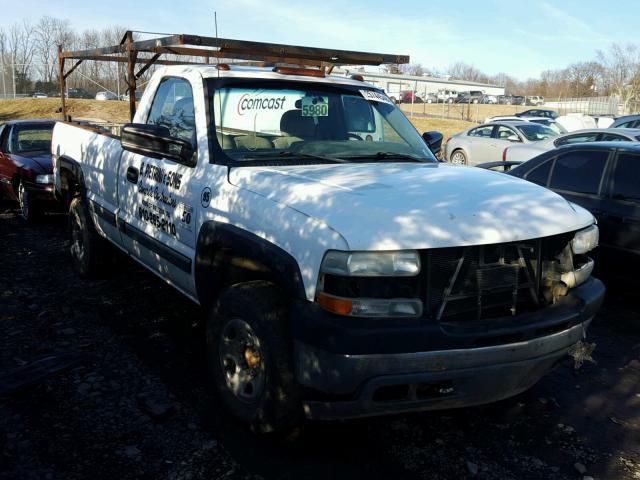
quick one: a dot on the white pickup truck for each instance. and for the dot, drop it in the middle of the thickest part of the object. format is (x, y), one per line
(344, 270)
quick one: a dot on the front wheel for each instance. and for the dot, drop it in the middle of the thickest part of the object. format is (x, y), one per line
(28, 209)
(458, 158)
(250, 355)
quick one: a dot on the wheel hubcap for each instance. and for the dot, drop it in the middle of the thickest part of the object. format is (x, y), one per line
(24, 201)
(458, 159)
(77, 245)
(242, 361)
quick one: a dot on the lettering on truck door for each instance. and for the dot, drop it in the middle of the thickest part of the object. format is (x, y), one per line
(158, 207)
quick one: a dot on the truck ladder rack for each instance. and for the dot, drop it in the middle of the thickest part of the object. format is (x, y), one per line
(203, 49)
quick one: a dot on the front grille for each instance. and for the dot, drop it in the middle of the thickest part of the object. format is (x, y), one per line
(487, 281)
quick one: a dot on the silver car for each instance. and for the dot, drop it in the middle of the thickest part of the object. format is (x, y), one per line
(525, 152)
(487, 142)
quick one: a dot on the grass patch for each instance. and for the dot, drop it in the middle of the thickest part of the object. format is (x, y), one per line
(24, 108)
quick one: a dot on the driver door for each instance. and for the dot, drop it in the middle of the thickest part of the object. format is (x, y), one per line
(157, 209)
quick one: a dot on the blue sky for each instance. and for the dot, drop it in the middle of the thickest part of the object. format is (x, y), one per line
(517, 37)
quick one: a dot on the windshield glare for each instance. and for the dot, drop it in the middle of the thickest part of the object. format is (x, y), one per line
(534, 132)
(329, 125)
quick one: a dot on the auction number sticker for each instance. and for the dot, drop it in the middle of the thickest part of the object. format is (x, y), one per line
(315, 106)
(376, 96)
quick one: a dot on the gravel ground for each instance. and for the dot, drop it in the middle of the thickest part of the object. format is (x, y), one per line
(136, 402)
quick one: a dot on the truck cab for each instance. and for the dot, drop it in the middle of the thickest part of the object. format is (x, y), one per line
(344, 271)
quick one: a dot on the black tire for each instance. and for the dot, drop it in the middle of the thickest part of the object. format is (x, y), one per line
(273, 403)
(29, 209)
(458, 157)
(87, 247)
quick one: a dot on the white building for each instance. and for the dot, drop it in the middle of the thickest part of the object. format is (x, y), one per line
(393, 84)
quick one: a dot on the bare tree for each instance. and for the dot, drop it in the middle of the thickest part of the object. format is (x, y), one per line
(22, 48)
(412, 69)
(584, 77)
(621, 64)
(464, 71)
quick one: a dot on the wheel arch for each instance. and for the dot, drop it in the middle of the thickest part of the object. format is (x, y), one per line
(71, 179)
(226, 255)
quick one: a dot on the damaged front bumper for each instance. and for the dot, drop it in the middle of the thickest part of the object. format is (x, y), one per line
(355, 385)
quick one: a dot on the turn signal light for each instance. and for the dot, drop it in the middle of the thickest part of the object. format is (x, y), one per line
(360, 78)
(341, 306)
(223, 66)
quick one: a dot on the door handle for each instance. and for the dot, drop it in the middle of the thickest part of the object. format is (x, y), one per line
(132, 174)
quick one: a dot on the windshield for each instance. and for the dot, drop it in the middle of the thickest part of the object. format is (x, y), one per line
(534, 132)
(325, 125)
(32, 138)
(555, 126)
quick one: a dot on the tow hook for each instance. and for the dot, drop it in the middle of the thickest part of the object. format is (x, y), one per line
(581, 352)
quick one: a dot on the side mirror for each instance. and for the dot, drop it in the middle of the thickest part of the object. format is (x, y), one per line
(513, 138)
(156, 141)
(433, 141)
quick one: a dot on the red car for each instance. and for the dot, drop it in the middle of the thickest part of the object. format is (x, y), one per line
(26, 169)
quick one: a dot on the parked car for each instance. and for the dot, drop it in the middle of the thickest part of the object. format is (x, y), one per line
(534, 100)
(79, 93)
(39, 95)
(486, 143)
(548, 122)
(106, 96)
(538, 112)
(139, 94)
(489, 99)
(505, 99)
(474, 96)
(602, 177)
(446, 96)
(628, 121)
(528, 151)
(430, 98)
(518, 100)
(26, 170)
(409, 96)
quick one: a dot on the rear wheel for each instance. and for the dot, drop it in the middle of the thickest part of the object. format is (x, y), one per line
(87, 248)
(250, 354)
(458, 158)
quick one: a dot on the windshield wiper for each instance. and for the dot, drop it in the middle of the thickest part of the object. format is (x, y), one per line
(289, 154)
(388, 155)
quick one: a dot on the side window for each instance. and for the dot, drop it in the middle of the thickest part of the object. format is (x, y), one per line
(505, 133)
(579, 171)
(612, 137)
(540, 174)
(585, 137)
(628, 124)
(626, 178)
(481, 132)
(172, 107)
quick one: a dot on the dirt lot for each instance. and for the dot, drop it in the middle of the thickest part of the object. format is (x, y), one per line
(136, 402)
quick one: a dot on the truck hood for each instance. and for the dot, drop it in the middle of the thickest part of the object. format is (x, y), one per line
(400, 205)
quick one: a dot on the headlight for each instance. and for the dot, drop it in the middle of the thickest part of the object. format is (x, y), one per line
(585, 240)
(404, 263)
(44, 178)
